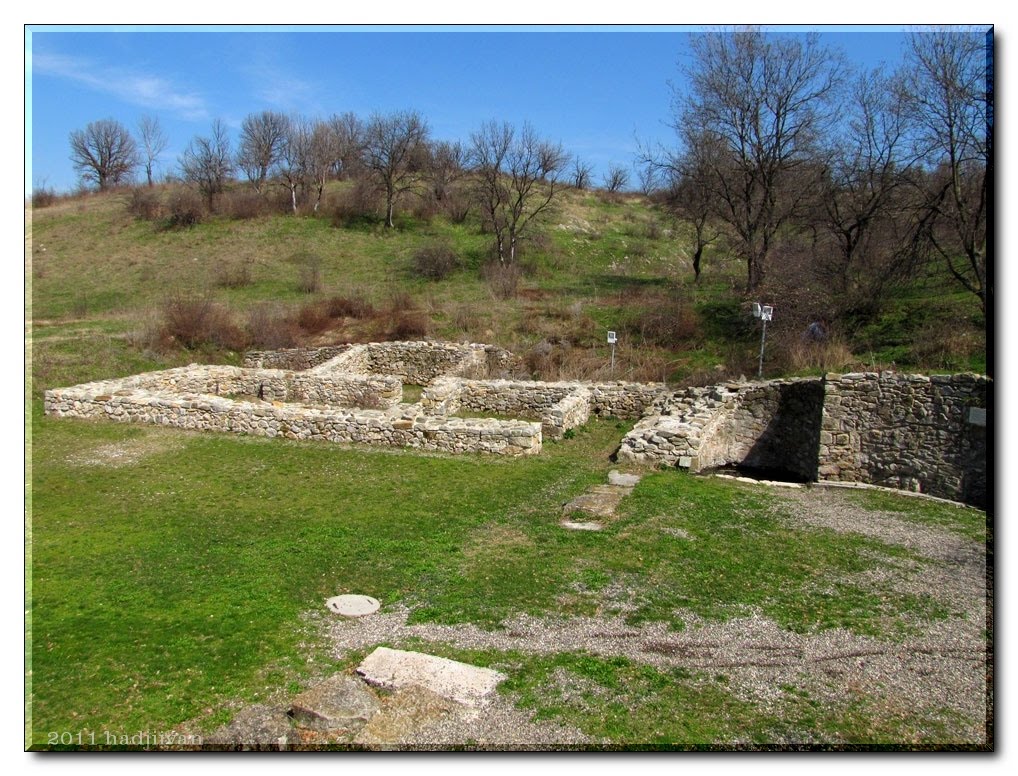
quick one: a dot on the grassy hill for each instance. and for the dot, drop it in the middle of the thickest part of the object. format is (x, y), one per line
(112, 292)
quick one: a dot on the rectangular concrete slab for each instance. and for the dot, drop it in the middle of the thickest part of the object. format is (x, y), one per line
(461, 682)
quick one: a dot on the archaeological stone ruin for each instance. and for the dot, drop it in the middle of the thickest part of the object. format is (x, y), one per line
(911, 432)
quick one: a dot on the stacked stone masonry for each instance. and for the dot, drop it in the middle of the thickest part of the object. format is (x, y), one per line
(559, 406)
(184, 398)
(911, 432)
(416, 363)
(900, 431)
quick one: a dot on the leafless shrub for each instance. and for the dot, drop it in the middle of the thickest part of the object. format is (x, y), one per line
(186, 209)
(667, 323)
(408, 325)
(243, 204)
(351, 306)
(232, 275)
(43, 197)
(402, 318)
(270, 327)
(193, 321)
(360, 205)
(456, 206)
(616, 179)
(314, 317)
(425, 208)
(503, 279)
(145, 204)
(436, 261)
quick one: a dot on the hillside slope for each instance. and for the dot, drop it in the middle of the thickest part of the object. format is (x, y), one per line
(112, 291)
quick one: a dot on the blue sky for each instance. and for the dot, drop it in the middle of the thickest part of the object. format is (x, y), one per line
(597, 90)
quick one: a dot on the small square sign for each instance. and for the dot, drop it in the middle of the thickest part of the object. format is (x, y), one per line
(612, 339)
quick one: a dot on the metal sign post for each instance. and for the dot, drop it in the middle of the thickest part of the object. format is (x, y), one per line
(764, 313)
(612, 339)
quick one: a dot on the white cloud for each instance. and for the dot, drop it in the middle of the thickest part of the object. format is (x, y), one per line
(146, 90)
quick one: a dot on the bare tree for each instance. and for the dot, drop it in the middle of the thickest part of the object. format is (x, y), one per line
(153, 143)
(581, 174)
(262, 136)
(616, 178)
(207, 162)
(322, 160)
(864, 207)
(648, 178)
(692, 196)
(767, 99)
(447, 164)
(104, 153)
(517, 176)
(293, 162)
(949, 87)
(348, 131)
(396, 155)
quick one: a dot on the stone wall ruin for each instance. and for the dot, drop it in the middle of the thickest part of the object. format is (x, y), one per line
(925, 434)
(909, 432)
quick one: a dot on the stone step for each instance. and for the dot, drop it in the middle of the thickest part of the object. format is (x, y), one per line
(460, 682)
(615, 477)
(581, 526)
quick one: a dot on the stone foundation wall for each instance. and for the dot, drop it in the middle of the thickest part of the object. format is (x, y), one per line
(292, 358)
(909, 432)
(773, 426)
(372, 391)
(353, 360)
(417, 363)
(626, 401)
(925, 434)
(767, 425)
(559, 406)
(129, 401)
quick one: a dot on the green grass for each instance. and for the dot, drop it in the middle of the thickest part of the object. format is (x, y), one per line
(167, 586)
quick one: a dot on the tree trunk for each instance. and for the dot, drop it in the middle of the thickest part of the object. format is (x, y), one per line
(754, 267)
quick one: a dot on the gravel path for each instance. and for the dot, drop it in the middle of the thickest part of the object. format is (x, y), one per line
(941, 673)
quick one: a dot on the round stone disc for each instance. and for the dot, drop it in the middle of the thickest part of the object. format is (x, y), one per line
(352, 605)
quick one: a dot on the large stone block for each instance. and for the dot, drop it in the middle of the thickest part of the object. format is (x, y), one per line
(460, 682)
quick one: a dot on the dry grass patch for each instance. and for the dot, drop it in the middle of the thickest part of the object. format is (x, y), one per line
(127, 452)
(493, 539)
